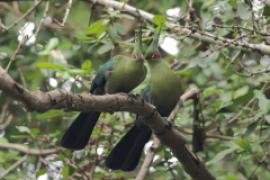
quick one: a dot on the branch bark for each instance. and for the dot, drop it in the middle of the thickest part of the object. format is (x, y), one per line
(191, 32)
(168, 135)
(156, 142)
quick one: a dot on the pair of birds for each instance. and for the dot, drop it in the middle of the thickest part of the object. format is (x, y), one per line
(122, 74)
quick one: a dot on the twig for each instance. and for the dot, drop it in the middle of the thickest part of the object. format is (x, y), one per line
(192, 32)
(148, 159)
(27, 150)
(43, 17)
(23, 16)
(69, 4)
(2, 26)
(4, 110)
(241, 27)
(208, 135)
(14, 166)
(12, 59)
(6, 123)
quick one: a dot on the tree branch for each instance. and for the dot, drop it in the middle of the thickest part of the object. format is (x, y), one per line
(168, 135)
(191, 32)
(27, 150)
(191, 94)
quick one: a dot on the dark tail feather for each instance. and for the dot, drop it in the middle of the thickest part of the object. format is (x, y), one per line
(126, 154)
(79, 132)
(198, 128)
(198, 140)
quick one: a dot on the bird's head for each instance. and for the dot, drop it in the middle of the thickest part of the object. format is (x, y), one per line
(152, 52)
(138, 52)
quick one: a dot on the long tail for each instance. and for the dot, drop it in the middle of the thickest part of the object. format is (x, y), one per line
(79, 132)
(126, 154)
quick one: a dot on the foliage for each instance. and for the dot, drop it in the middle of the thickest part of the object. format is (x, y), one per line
(234, 85)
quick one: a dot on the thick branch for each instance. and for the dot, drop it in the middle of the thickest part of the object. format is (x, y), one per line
(193, 33)
(156, 142)
(168, 135)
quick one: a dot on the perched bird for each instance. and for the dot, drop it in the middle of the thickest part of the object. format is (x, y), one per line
(163, 91)
(120, 74)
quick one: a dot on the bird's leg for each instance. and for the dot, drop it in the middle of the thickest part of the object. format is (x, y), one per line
(135, 97)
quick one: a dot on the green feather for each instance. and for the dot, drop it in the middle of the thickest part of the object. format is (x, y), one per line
(165, 86)
(126, 74)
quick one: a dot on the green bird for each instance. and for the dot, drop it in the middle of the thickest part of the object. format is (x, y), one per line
(163, 91)
(120, 74)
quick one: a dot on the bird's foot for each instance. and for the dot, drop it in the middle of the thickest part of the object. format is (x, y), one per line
(135, 97)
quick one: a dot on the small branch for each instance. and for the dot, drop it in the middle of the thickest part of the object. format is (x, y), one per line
(188, 95)
(2, 26)
(148, 159)
(209, 136)
(43, 17)
(69, 4)
(23, 16)
(27, 150)
(4, 110)
(6, 123)
(191, 32)
(13, 57)
(14, 166)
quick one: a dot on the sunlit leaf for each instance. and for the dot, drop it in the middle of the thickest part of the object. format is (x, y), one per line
(50, 114)
(159, 20)
(221, 155)
(23, 129)
(47, 65)
(96, 28)
(243, 143)
(87, 65)
(240, 92)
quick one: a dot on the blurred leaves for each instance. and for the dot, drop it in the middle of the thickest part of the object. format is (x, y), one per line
(234, 103)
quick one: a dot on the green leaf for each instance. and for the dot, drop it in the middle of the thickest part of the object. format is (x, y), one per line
(23, 129)
(96, 28)
(34, 132)
(41, 171)
(240, 92)
(87, 65)
(264, 103)
(243, 11)
(243, 143)
(159, 20)
(105, 48)
(233, 3)
(221, 155)
(231, 177)
(47, 65)
(251, 127)
(65, 172)
(3, 140)
(53, 43)
(266, 11)
(50, 114)
(120, 28)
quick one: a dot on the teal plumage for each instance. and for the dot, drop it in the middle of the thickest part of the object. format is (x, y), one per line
(120, 74)
(163, 91)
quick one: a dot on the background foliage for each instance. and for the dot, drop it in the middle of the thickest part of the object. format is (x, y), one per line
(234, 86)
